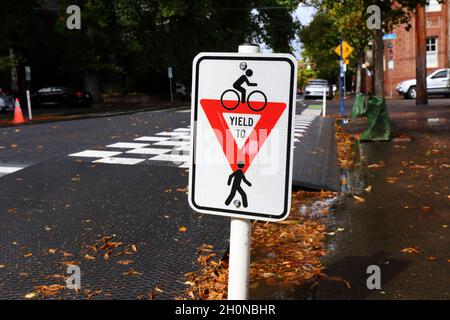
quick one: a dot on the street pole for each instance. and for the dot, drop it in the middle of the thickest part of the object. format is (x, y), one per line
(28, 80)
(341, 75)
(421, 59)
(324, 102)
(240, 238)
(170, 75)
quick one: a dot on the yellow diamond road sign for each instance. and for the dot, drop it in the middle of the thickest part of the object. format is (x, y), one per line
(346, 50)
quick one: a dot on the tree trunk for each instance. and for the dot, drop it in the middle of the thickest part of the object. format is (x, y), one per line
(378, 62)
(421, 59)
(360, 85)
(14, 75)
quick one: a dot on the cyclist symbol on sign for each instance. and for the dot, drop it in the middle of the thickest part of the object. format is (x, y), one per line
(244, 79)
(238, 177)
(233, 103)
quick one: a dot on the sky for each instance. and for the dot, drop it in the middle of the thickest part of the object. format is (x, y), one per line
(304, 14)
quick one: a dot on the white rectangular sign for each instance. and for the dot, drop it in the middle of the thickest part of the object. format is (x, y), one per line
(243, 106)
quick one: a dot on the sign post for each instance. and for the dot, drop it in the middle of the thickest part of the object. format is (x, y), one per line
(170, 75)
(28, 80)
(243, 106)
(344, 50)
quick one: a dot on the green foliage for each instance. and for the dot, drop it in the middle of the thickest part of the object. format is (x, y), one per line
(319, 39)
(304, 74)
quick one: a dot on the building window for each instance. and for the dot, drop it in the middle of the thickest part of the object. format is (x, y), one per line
(432, 52)
(433, 6)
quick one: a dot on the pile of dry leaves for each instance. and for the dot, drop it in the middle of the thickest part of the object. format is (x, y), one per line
(286, 253)
(345, 142)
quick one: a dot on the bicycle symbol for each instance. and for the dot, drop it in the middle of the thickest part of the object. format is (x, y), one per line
(236, 99)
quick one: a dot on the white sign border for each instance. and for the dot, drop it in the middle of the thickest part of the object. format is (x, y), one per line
(194, 110)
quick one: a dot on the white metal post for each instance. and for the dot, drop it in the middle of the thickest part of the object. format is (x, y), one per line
(30, 115)
(324, 102)
(240, 238)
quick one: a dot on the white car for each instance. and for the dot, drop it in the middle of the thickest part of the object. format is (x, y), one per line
(315, 88)
(438, 82)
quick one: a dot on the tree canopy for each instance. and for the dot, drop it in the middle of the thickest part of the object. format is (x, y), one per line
(136, 40)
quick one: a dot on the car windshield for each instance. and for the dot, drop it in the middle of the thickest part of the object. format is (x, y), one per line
(318, 82)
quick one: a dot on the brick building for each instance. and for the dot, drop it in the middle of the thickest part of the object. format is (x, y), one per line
(403, 49)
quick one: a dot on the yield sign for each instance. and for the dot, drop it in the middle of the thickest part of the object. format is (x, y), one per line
(242, 113)
(241, 132)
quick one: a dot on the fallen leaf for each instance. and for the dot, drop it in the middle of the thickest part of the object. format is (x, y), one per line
(368, 189)
(359, 199)
(2, 266)
(52, 251)
(132, 272)
(425, 209)
(12, 210)
(182, 229)
(125, 262)
(410, 250)
(27, 255)
(30, 295)
(431, 258)
(88, 257)
(133, 248)
(157, 289)
(66, 254)
(49, 290)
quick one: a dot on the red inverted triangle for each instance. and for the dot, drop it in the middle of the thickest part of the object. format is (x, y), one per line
(269, 117)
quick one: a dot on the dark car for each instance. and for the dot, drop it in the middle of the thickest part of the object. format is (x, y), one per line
(61, 97)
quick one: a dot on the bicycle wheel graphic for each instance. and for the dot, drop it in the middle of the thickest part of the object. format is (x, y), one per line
(256, 105)
(230, 104)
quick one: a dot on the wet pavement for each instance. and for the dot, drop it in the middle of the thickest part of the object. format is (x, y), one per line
(400, 222)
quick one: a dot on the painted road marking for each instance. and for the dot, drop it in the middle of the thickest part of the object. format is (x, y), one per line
(166, 133)
(7, 170)
(171, 143)
(151, 139)
(169, 146)
(127, 145)
(154, 151)
(95, 154)
(171, 158)
(125, 161)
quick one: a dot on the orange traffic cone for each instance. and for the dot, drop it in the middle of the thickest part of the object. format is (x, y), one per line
(18, 116)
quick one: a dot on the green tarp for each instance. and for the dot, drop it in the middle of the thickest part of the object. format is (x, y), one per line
(359, 106)
(379, 128)
(374, 108)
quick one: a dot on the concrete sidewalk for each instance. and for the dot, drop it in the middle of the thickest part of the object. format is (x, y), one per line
(402, 226)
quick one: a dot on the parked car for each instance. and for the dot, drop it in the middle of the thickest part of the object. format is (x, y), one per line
(315, 88)
(6, 103)
(438, 82)
(61, 96)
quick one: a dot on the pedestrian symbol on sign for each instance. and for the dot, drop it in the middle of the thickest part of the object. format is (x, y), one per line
(238, 176)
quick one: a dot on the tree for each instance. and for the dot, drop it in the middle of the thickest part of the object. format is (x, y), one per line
(319, 39)
(350, 17)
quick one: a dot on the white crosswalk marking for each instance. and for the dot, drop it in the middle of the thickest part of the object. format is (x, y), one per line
(151, 139)
(117, 160)
(127, 145)
(95, 154)
(153, 151)
(172, 147)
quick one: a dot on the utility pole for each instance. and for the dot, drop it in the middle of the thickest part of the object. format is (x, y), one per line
(421, 58)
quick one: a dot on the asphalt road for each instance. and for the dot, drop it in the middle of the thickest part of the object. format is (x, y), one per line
(80, 181)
